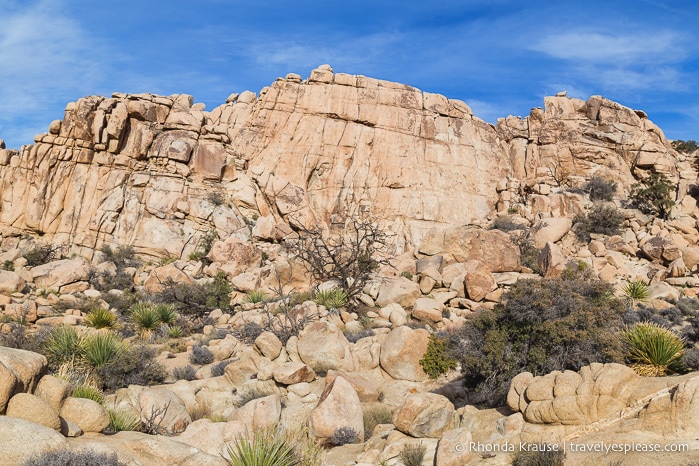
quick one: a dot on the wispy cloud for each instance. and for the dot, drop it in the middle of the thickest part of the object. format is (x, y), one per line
(46, 57)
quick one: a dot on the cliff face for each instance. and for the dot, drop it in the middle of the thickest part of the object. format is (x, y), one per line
(159, 172)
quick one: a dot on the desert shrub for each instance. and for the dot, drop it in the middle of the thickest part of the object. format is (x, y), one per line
(654, 195)
(100, 348)
(540, 326)
(375, 415)
(331, 299)
(634, 292)
(266, 447)
(216, 197)
(122, 256)
(146, 317)
(539, 455)
(691, 359)
(505, 224)
(604, 219)
(344, 436)
(8, 265)
(685, 147)
(62, 345)
(196, 299)
(347, 257)
(354, 337)
(688, 305)
(282, 318)
(219, 369)
(99, 317)
(122, 420)
(135, 366)
(174, 331)
(653, 350)
(600, 189)
(206, 242)
(184, 373)
(73, 458)
(251, 393)
(437, 360)
(41, 254)
(255, 296)
(412, 454)
(88, 392)
(691, 332)
(248, 332)
(529, 256)
(201, 355)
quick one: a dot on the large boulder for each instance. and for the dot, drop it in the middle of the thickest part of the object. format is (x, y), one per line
(27, 367)
(260, 413)
(401, 352)
(54, 391)
(549, 230)
(159, 277)
(8, 384)
(425, 415)
(34, 409)
(479, 282)
(293, 372)
(234, 256)
(89, 415)
(454, 447)
(163, 411)
(660, 250)
(427, 310)
(23, 439)
(323, 346)
(62, 272)
(11, 282)
(338, 408)
(398, 290)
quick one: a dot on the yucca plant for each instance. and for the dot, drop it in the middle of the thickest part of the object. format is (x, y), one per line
(331, 299)
(89, 392)
(101, 318)
(255, 296)
(654, 351)
(63, 345)
(635, 292)
(146, 317)
(100, 348)
(174, 331)
(122, 420)
(262, 448)
(166, 313)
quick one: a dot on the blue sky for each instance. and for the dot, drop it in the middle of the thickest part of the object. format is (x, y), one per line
(500, 56)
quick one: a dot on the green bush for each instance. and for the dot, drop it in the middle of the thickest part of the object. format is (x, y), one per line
(540, 326)
(602, 219)
(41, 254)
(99, 317)
(122, 256)
(88, 392)
(265, 447)
(206, 242)
(255, 296)
(412, 454)
(436, 360)
(134, 366)
(540, 455)
(635, 291)
(600, 189)
(175, 331)
(166, 313)
(654, 195)
(685, 147)
(654, 351)
(529, 256)
(73, 458)
(62, 345)
(122, 420)
(101, 348)
(331, 299)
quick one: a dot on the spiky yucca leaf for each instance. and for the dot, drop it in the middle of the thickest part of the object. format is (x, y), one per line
(653, 350)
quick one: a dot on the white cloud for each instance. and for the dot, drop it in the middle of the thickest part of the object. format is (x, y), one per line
(46, 57)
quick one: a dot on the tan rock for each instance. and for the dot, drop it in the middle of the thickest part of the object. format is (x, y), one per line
(425, 415)
(161, 276)
(260, 413)
(27, 367)
(478, 283)
(323, 346)
(398, 290)
(34, 409)
(338, 407)
(549, 230)
(292, 373)
(11, 282)
(401, 352)
(62, 272)
(89, 415)
(428, 310)
(23, 439)
(462, 244)
(161, 407)
(54, 391)
(8, 384)
(365, 390)
(268, 345)
(234, 255)
(454, 447)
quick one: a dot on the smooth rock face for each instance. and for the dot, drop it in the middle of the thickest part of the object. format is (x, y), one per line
(162, 407)
(62, 272)
(8, 383)
(338, 407)
(15, 433)
(54, 391)
(89, 415)
(424, 415)
(398, 290)
(322, 346)
(34, 409)
(11, 282)
(260, 413)
(401, 352)
(27, 367)
(292, 373)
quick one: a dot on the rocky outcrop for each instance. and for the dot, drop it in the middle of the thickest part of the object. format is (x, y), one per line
(161, 173)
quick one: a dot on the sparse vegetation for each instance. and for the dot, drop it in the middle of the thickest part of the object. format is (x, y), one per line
(73, 458)
(436, 360)
(201, 355)
(539, 455)
(219, 369)
(604, 219)
(99, 317)
(375, 415)
(635, 291)
(255, 296)
(184, 373)
(348, 257)
(685, 147)
(41, 254)
(654, 351)
(265, 447)
(134, 366)
(121, 420)
(101, 348)
(540, 326)
(89, 392)
(654, 195)
(331, 299)
(206, 242)
(412, 454)
(506, 224)
(600, 189)
(344, 436)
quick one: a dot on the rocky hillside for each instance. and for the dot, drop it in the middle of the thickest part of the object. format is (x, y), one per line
(160, 172)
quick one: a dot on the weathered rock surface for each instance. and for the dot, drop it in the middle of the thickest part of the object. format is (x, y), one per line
(338, 407)
(424, 415)
(401, 352)
(89, 415)
(22, 439)
(32, 408)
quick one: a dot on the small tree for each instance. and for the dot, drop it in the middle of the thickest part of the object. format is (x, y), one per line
(654, 195)
(348, 257)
